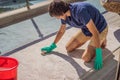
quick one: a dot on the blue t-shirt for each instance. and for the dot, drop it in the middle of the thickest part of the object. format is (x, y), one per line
(81, 13)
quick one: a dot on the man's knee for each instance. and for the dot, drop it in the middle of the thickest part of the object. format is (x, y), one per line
(68, 48)
(72, 47)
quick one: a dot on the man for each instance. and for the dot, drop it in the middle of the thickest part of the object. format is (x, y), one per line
(87, 18)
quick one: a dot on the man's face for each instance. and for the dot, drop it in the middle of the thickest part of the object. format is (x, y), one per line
(64, 16)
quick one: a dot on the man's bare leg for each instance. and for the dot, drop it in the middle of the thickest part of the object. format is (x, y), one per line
(72, 45)
(103, 44)
(76, 41)
(88, 54)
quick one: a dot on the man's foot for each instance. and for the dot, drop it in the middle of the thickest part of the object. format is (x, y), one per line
(104, 43)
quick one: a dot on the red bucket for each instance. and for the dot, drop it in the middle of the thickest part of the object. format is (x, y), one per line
(8, 68)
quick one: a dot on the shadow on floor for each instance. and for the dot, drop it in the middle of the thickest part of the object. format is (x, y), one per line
(69, 59)
(37, 28)
(108, 71)
(117, 34)
(77, 54)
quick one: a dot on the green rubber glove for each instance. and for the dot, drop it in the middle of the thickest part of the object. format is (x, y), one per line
(98, 63)
(49, 48)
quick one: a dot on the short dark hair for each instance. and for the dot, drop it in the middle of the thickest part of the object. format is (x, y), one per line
(57, 8)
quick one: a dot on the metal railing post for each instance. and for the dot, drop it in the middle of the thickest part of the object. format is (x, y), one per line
(27, 4)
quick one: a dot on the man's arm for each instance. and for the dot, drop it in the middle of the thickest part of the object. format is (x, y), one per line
(98, 62)
(60, 33)
(95, 34)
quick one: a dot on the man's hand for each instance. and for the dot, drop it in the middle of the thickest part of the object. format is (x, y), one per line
(49, 48)
(98, 63)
